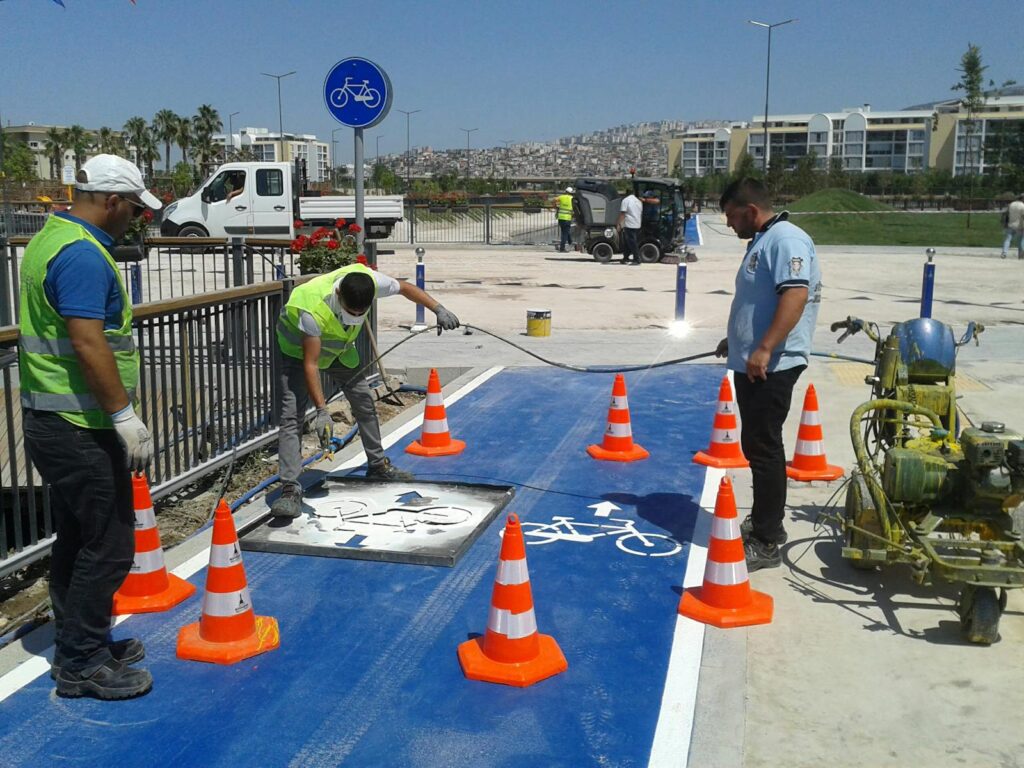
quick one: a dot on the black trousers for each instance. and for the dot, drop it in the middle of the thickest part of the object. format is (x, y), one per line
(630, 244)
(91, 495)
(764, 406)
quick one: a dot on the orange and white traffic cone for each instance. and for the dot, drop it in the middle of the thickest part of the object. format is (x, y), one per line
(512, 652)
(618, 444)
(726, 599)
(725, 451)
(148, 587)
(809, 460)
(228, 630)
(435, 439)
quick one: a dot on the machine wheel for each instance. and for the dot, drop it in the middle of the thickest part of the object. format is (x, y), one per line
(650, 253)
(603, 252)
(192, 230)
(980, 609)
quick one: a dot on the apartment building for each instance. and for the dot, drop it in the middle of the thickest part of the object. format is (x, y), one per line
(932, 135)
(35, 136)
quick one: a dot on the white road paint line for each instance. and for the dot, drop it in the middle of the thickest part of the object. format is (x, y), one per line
(671, 745)
(25, 673)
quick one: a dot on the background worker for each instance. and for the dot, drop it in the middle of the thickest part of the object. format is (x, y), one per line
(628, 225)
(317, 332)
(771, 323)
(563, 208)
(79, 369)
(1013, 227)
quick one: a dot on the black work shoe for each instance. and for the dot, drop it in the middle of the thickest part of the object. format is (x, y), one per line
(109, 682)
(127, 651)
(288, 504)
(760, 555)
(748, 525)
(385, 470)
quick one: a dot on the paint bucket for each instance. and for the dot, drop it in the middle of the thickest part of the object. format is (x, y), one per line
(538, 322)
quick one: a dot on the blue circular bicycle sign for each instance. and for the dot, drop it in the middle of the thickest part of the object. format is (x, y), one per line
(357, 93)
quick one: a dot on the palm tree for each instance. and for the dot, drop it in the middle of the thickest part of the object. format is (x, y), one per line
(205, 150)
(79, 141)
(55, 144)
(107, 141)
(207, 121)
(134, 128)
(165, 129)
(149, 153)
(184, 137)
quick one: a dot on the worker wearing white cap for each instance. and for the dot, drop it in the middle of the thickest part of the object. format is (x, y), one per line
(79, 369)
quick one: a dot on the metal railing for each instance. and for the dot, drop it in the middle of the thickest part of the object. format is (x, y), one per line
(484, 223)
(167, 268)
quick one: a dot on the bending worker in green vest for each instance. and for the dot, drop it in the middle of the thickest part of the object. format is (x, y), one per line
(317, 332)
(79, 367)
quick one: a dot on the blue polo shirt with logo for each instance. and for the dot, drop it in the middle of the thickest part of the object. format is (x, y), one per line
(780, 257)
(79, 281)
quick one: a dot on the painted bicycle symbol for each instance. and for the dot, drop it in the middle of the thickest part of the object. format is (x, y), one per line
(369, 97)
(627, 537)
(359, 513)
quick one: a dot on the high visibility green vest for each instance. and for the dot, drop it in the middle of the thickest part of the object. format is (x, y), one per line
(51, 375)
(337, 341)
(565, 207)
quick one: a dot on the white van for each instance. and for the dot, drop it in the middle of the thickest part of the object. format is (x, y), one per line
(263, 200)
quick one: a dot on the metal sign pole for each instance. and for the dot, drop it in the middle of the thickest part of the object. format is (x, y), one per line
(360, 218)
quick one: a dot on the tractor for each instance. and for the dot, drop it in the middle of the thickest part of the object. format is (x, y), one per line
(661, 226)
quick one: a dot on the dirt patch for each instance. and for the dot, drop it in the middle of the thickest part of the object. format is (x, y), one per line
(24, 594)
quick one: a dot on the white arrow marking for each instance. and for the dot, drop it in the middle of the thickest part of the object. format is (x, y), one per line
(604, 509)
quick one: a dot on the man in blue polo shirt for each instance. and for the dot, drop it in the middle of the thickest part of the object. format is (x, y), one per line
(771, 323)
(79, 369)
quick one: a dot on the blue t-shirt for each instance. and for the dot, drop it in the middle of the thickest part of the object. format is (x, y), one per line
(781, 257)
(79, 281)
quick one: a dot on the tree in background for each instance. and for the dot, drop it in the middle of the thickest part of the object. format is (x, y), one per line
(838, 178)
(108, 142)
(54, 146)
(805, 178)
(148, 152)
(182, 179)
(134, 128)
(183, 135)
(165, 129)
(17, 161)
(79, 141)
(972, 73)
(747, 168)
(775, 178)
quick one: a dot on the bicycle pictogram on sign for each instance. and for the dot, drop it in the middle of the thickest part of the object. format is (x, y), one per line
(357, 93)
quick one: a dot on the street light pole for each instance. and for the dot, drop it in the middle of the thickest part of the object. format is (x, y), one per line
(468, 131)
(408, 155)
(231, 133)
(767, 78)
(280, 120)
(334, 154)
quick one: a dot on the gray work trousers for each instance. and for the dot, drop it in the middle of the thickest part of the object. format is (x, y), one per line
(295, 400)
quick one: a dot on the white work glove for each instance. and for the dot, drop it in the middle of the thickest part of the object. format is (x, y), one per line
(135, 437)
(446, 320)
(323, 425)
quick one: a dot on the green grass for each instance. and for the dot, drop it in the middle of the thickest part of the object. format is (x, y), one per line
(924, 229)
(836, 200)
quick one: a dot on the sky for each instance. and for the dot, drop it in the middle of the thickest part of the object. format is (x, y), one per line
(520, 70)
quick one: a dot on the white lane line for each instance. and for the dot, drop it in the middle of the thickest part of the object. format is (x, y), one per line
(671, 745)
(38, 665)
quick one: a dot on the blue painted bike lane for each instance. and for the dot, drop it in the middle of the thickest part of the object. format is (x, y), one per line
(367, 672)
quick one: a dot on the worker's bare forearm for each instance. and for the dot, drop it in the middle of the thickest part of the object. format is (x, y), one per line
(417, 295)
(787, 315)
(97, 362)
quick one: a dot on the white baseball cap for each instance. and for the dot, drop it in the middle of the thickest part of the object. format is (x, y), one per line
(113, 174)
(569, 190)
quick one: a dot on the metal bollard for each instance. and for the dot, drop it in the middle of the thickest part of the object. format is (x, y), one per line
(928, 284)
(421, 283)
(681, 292)
(135, 278)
